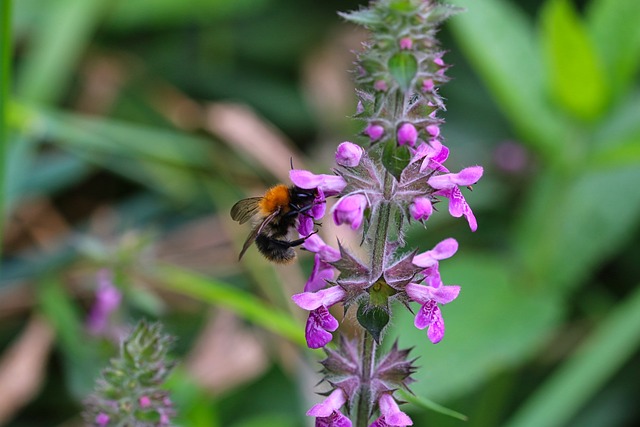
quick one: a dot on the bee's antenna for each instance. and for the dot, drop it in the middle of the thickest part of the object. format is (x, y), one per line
(291, 162)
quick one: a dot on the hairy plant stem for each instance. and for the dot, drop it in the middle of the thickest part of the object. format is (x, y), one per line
(368, 344)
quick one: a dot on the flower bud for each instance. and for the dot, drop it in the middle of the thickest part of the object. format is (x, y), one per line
(406, 43)
(407, 135)
(348, 154)
(421, 208)
(374, 132)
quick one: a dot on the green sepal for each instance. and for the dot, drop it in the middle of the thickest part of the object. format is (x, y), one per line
(395, 158)
(403, 66)
(364, 17)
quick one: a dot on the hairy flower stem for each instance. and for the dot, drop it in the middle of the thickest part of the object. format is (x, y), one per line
(368, 344)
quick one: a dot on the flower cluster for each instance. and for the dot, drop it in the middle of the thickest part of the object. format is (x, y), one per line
(396, 180)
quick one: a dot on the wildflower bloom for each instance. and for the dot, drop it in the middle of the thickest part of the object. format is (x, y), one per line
(390, 413)
(350, 210)
(407, 135)
(447, 186)
(144, 401)
(320, 322)
(443, 250)
(328, 413)
(429, 315)
(322, 268)
(406, 43)
(108, 299)
(348, 154)
(330, 185)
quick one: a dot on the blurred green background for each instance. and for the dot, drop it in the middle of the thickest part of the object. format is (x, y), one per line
(130, 127)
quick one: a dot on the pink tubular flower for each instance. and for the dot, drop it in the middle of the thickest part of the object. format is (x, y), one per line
(421, 208)
(427, 85)
(144, 401)
(380, 85)
(330, 185)
(348, 154)
(433, 130)
(429, 315)
(407, 135)
(320, 322)
(447, 186)
(107, 301)
(328, 413)
(305, 220)
(322, 268)
(433, 155)
(350, 210)
(390, 413)
(374, 132)
(443, 250)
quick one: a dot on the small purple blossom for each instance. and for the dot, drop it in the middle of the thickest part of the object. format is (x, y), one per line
(350, 210)
(380, 86)
(427, 85)
(349, 154)
(328, 413)
(102, 419)
(374, 132)
(429, 315)
(407, 135)
(406, 43)
(306, 220)
(443, 250)
(447, 186)
(421, 208)
(330, 185)
(390, 413)
(107, 301)
(144, 401)
(322, 268)
(320, 322)
(433, 130)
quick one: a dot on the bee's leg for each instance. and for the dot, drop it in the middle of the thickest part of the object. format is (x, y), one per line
(300, 241)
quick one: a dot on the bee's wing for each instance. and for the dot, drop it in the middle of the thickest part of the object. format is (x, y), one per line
(257, 230)
(245, 209)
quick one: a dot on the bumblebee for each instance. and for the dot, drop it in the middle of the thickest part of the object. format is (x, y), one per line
(278, 210)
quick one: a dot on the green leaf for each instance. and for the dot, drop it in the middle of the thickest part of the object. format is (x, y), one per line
(364, 17)
(576, 76)
(403, 66)
(430, 405)
(395, 158)
(613, 27)
(242, 303)
(499, 41)
(373, 318)
(494, 324)
(609, 347)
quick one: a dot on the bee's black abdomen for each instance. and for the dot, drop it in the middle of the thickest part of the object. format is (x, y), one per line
(275, 250)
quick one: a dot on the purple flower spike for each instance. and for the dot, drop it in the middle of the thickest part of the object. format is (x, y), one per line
(421, 208)
(374, 132)
(328, 413)
(407, 135)
(443, 250)
(102, 419)
(329, 184)
(429, 315)
(349, 154)
(350, 210)
(390, 414)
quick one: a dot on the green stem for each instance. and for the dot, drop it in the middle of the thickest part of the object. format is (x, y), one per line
(368, 344)
(5, 70)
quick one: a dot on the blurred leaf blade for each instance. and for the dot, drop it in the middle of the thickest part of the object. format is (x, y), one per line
(242, 303)
(614, 341)
(58, 43)
(613, 25)
(576, 76)
(5, 85)
(431, 405)
(500, 42)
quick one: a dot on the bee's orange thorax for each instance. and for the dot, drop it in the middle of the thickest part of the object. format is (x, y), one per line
(276, 198)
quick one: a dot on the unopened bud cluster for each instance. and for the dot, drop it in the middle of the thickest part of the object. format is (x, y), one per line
(129, 392)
